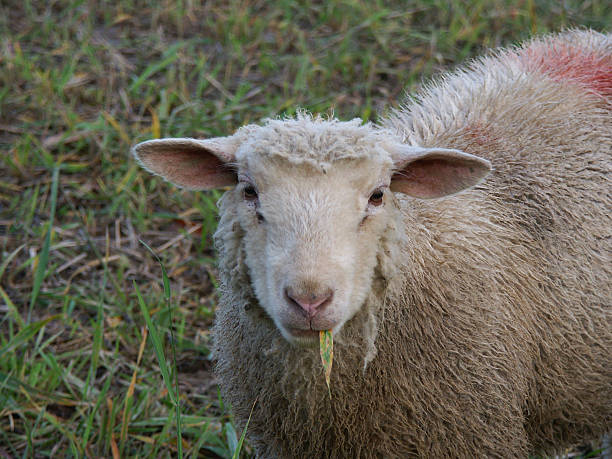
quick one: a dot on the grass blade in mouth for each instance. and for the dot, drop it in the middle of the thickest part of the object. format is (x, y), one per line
(326, 348)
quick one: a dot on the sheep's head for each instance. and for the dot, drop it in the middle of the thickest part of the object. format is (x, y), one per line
(314, 198)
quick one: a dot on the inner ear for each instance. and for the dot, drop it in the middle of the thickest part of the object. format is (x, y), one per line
(190, 163)
(434, 173)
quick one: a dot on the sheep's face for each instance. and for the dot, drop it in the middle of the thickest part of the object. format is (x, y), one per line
(311, 237)
(313, 199)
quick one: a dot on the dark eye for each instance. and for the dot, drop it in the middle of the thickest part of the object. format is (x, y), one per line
(376, 198)
(250, 193)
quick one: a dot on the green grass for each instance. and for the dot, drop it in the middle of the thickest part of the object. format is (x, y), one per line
(82, 81)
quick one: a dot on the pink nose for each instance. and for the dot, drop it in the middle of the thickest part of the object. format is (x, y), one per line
(310, 303)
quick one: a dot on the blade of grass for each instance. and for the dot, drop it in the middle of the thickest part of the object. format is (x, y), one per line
(170, 55)
(9, 382)
(12, 308)
(43, 259)
(130, 394)
(25, 334)
(236, 454)
(204, 436)
(30, 430)
(90, 418)
(98, 333)
(157, 344)
(167, 294)
(8, 259)
(231, 437)
(163, 366)
(73, 442)
(326, 349)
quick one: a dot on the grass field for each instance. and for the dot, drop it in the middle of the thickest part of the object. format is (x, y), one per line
(82, 81)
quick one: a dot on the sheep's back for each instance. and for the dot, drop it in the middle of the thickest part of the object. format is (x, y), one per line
(534, 240)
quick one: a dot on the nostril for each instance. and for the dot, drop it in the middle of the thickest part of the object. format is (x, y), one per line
(311, 303)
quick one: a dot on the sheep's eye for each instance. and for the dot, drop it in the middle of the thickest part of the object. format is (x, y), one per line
(376, 198)
(250, 193)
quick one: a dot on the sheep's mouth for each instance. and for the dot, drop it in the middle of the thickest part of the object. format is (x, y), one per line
(306, 332)
(301, 337)
(309, 328)
(301, 333)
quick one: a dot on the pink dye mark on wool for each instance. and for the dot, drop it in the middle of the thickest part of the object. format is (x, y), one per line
(479, 135)
(563, 62)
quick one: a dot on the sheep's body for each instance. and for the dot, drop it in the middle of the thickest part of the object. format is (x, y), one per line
(484, 327)
(494, 325)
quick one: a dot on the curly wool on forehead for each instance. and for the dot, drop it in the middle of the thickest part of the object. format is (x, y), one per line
(315, 140)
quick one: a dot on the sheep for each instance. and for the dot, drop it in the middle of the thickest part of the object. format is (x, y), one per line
(459, 251)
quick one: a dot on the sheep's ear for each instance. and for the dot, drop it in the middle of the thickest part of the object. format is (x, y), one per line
(190, 163)
(428, 173)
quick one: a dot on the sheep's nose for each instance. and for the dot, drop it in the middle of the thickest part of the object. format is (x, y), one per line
(310, 303)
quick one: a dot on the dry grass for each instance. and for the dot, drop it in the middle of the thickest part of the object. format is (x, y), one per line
(80, 82)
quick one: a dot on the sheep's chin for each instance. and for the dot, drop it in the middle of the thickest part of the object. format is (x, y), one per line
(303, 341)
